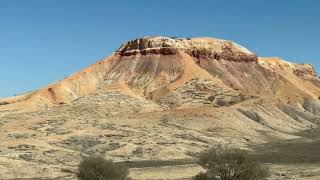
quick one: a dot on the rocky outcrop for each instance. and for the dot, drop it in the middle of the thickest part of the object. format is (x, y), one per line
(196, 47)
(305, 70)
(300, 70)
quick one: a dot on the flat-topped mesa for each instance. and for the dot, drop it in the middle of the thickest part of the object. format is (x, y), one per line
(209, 48)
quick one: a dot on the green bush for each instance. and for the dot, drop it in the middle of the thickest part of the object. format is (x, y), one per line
(230, 164)
(97, 168)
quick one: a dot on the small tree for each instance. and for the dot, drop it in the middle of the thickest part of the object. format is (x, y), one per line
(229, 164)
(97, 168)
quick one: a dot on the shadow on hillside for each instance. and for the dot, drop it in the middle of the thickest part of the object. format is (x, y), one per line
(304, 150)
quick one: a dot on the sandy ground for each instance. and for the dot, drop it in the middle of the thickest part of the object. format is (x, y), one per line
(278, 172)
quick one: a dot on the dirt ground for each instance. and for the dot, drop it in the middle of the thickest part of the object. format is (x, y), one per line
(278, 172)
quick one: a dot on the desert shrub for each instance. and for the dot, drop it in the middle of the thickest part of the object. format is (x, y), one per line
(230, 164)
(4, 103)
(97, 168)
(211, 98)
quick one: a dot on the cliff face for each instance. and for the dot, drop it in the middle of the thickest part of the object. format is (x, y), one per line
(208, 48)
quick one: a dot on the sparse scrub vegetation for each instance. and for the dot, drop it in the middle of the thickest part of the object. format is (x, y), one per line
(97, 168)
(4, 103)
(211, 98)
(229, 164)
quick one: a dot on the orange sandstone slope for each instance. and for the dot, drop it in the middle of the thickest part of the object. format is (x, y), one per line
(184, 73)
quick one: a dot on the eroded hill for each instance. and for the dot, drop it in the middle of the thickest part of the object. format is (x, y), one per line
(158, 98)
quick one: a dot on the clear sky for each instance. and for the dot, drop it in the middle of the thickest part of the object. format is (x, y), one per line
(42, 41)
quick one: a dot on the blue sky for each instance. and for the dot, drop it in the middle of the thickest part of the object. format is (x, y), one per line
(42, 41)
